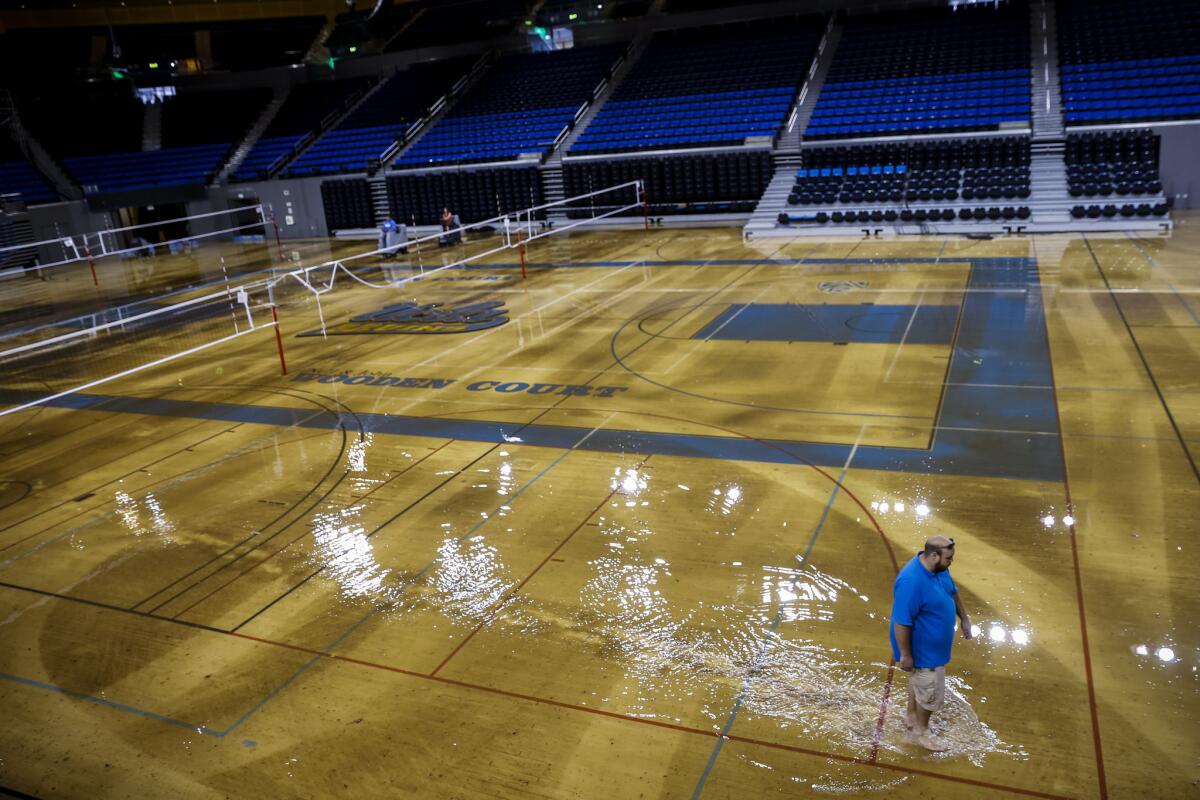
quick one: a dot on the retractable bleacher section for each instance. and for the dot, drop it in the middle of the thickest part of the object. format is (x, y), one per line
(356, 143)
(472, 194)
(1115, 174)
(706, 87)
(519, 107)
(199, 129)
(911, 183)
(927, 71)
(1125, 62)
(347, 204)
(727, 183)
(18, 177)
(299, 116)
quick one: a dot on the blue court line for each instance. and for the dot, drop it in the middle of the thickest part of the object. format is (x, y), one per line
(973, 452)
(737, 703)
(220, 734)
(852, 323)
(100, 701)
(1183, 302)
(980, 453)
(725, 262)
(509, 500)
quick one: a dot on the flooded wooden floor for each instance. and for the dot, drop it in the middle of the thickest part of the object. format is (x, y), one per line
(624, 528)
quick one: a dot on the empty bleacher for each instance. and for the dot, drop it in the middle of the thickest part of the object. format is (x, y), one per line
(300, 115)
(18, 177)
(985, 179)
(706, 87)
(696, 184)
(347, 204)
(928, 71)
(1129, 62)
(472, 194)
(358, 141)
(519, 106)
(199, 130)
(1119, 171)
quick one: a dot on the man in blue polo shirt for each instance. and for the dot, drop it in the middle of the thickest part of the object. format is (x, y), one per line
(925, 603)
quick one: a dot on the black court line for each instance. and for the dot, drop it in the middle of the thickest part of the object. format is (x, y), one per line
(1145, 364)
(286, 512)
(484, 454)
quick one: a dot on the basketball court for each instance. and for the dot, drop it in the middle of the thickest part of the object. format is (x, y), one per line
(622, 520)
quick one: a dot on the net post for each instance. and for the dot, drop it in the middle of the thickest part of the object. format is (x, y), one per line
(645, 209)
(278, 242)
(91, 262)
(278, 336)
(521, 250)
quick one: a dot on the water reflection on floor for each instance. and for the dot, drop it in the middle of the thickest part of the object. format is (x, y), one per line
(220, 580)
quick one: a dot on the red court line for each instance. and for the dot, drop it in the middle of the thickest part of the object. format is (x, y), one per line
(656, 723)
(288, 544)
(513, 592)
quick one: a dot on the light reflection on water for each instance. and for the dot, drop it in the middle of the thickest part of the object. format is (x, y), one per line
(342, 547)
(144, 516)
(813, 691)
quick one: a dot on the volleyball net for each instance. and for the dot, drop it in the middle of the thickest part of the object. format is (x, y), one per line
(142, 240)
(60, 364)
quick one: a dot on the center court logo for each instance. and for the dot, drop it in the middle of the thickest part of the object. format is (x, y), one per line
(841, 287)
(423, 318)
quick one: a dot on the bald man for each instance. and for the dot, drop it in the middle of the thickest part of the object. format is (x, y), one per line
(925, 603)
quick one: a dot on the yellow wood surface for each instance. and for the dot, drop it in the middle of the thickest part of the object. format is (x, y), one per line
(194, 605)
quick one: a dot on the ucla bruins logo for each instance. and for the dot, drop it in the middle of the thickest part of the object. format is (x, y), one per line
(423, 318)
(841, 287)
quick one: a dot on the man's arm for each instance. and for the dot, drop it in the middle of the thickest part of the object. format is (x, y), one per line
(904, 642)
(964, 618)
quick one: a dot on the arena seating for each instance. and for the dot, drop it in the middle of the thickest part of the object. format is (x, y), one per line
(696, 184)
(519, 106)
(1128, 62)
(938, 70)
(1121, 167)
(357, 142)
(198, 131)
(347, 204)
(1117, 162)
(706, 87)
(918, 181)
(301, 114)
(473, 195)
(18, 177)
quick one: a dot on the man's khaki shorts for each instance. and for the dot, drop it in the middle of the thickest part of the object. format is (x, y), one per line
(929, 687)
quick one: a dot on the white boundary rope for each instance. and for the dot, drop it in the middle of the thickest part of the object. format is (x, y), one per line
(77, 247)
(521, 220)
